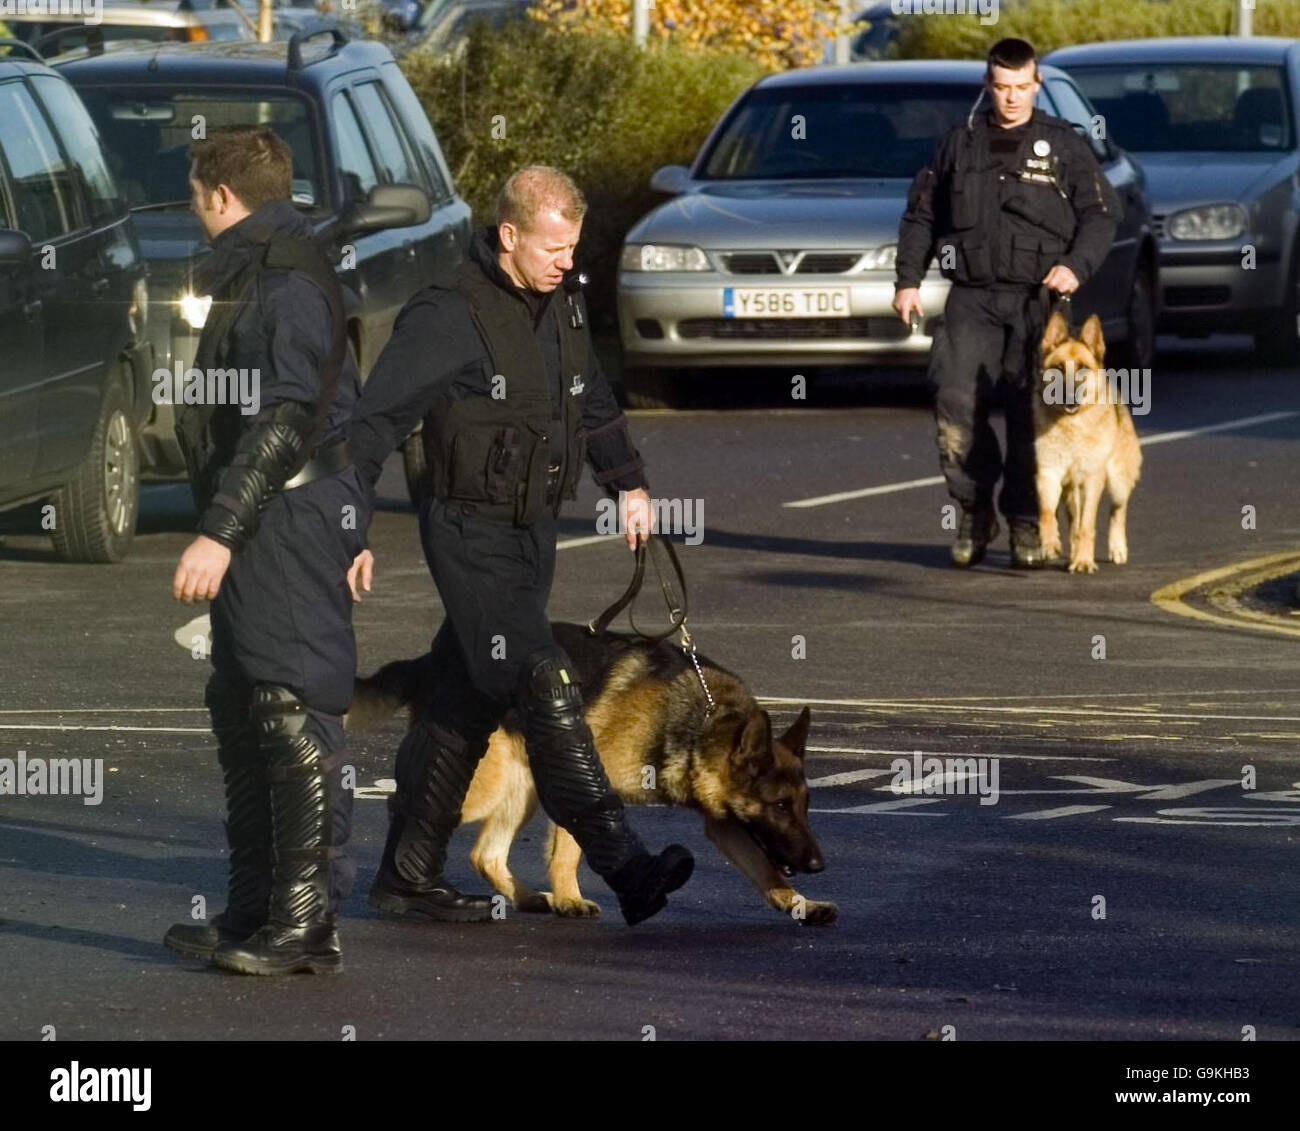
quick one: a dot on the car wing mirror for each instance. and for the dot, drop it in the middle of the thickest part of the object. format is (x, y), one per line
(671, 179)
(15, 248)
(389, 206)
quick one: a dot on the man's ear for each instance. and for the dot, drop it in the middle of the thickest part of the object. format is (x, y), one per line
(797, 735)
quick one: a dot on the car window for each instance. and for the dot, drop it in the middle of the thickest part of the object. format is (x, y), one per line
(81, 142)
(1191, 107)
(1075, 110)
(354, 161)
(38, 174)
(418, 129)
(827, 131)
(391, 151)
(147, 132)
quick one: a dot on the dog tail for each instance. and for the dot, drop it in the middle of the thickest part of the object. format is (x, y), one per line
(392, 687)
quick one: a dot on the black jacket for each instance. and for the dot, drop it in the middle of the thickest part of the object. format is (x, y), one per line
(281, 328)
(993, 228)
(436, 352)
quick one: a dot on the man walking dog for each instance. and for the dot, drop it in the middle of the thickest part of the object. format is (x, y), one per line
(1012, 200)
(275, 492)
(500, 366)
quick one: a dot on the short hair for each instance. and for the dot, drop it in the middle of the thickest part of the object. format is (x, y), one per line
(534, 189)
(1012, 54)
(255, 164)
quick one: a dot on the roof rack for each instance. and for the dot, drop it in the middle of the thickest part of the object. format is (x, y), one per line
(25, 46)
(300, 37)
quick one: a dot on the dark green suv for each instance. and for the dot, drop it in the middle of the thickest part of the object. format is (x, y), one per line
(75, 366)
(360, 141)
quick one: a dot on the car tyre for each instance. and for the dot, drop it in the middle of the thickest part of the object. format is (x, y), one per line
(95, 511)
(1139, 348)
(1280, 343)
(653, 388)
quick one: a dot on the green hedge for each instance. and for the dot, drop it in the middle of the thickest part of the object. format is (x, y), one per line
(1049, 24)
(588, 102)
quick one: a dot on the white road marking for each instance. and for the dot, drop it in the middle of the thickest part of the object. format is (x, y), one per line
(954, 754)
(1108, 714)
(892, 808)
(589, 540)
(1050, 814)
(64, 726)
(936, 480)
(847, 778)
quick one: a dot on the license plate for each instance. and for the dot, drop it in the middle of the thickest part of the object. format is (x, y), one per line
(785, 302)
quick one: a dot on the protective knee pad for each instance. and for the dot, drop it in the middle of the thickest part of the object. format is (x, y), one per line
(301, 806)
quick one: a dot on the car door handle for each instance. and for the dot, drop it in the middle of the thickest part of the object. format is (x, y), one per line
(32, 308)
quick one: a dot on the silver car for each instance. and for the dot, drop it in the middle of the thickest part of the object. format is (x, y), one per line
(778, 247)
(1213, 121)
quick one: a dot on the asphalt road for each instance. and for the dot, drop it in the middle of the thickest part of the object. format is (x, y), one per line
(1119, 777)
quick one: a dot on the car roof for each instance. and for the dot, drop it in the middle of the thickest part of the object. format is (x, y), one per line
(213, 64)
(1181, 49)
(961, 72)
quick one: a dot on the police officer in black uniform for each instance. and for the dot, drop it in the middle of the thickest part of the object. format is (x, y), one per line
(283, 514)
(1013, 200)
(499, 364)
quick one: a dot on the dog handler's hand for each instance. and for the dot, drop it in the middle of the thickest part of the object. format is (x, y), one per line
(200, 570)
(1062, 280)
(906, 301)
(363, 566)
(638, 521)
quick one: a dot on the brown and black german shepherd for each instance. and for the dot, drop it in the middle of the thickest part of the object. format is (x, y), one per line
(1083, 444)
(646, 710)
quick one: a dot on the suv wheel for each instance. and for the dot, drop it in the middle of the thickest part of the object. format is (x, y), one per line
(1139, 348)
(95, 511)
(1280, 343)
(652, 388)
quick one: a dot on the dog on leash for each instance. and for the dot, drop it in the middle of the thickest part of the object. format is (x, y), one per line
(659, 745)
(1084, 442)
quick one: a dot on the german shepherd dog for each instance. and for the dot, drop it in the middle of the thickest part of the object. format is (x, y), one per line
(1083, 442)
(647, 713)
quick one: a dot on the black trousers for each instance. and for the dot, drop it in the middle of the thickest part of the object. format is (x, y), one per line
(283, 615)
(988, 343)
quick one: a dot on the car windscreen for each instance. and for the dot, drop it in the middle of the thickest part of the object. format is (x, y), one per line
(1203, 107)
(147, 131)
(848, 130)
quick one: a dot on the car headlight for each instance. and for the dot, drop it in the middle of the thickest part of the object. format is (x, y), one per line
(881, 258)
(1211, 222)
(194, 309)
(137, 314)
(662, 257)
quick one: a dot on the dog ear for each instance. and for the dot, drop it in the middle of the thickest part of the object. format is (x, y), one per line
(1091, 336)
(1057, 332)
(754, 741)
(797, 735)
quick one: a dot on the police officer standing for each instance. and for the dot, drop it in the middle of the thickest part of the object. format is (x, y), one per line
(501, 367)
(1013, 199)
(282, 517)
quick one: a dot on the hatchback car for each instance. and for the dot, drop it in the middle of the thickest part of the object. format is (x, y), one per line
(356, 129)
(75, 366)
(159, 21)
(778, 247)
(1213, 121)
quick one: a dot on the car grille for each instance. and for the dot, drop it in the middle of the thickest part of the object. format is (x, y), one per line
(802, 329)
(805, 263)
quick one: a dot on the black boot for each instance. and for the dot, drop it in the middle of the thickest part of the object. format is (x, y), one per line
(576, 794)
(300, 932)
(435, 769)
(1026, 549)
(978, 528)
(248, 831)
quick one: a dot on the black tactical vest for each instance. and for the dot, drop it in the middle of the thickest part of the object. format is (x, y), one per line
(492, 448)
(207, 434)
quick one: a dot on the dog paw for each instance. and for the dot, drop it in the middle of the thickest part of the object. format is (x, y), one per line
(819, 914)
(1051, 548)
(577, 908)
(1119, 555)
(1083, 565)
(534, 903)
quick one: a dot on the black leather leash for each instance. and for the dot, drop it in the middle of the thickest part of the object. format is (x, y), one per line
(677, 610)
